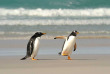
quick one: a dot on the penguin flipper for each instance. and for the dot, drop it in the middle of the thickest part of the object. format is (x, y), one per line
(60, 37)
(30, 47)
(75, 46)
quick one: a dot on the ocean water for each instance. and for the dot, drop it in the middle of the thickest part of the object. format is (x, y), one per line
(20, 19)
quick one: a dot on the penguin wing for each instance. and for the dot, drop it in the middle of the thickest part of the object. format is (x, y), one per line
(75, 46)
(30, 47)
(60, 37)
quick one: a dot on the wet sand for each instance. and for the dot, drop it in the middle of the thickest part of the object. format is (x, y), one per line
(81, 63)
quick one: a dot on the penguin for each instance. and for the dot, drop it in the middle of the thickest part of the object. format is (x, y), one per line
(69, 43)
(33, 46)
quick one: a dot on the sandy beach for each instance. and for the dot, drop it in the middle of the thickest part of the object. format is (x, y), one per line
(21, 19)
(92, 57)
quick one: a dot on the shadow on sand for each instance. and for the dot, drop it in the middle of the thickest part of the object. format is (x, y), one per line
(67, 59)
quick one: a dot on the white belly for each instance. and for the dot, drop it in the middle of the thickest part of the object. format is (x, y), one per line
(68, 46)
(36, 48)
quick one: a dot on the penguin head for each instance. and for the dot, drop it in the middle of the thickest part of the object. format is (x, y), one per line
(39, 34)
(74, 33)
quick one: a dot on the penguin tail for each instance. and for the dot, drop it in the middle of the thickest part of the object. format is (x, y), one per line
(24, 58)
(74, 50)
(59, 53)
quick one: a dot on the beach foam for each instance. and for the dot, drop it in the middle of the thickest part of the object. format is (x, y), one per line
(56, 22)
(97, 12)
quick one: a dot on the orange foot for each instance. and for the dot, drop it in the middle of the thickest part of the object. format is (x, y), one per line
(69, 58)
(34, 59)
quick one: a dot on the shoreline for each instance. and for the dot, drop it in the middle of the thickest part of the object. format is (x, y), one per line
(52, 37)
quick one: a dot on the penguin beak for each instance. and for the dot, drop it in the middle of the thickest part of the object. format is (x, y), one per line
(77, 32)
(43, 33)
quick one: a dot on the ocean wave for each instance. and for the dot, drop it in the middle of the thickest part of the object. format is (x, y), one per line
(27, 35)
(19, 33)
(56, 22)
(30, 33)
(97, 12)
(95, 32)
(52, 37)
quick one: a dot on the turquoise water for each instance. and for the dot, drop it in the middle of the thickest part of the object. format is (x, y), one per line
(55, 4)
(22, 18)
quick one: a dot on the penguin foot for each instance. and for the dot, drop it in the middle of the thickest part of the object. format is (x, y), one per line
(69, 58)
(34, 59)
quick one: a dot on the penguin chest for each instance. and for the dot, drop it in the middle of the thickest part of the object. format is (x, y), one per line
(36, 47)
(68, 46)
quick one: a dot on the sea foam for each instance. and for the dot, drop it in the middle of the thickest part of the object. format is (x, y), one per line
(98, 12)
(56, 22)
(22, 16)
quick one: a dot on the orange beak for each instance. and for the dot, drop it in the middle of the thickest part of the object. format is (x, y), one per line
(43, 33)
(77, 32)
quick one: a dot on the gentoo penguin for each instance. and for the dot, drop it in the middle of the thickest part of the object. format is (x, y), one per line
(33, 46)
(69, 43)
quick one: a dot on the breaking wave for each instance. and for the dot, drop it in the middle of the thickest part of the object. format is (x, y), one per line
(97, 12)
(29, 33)
(57, 22)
